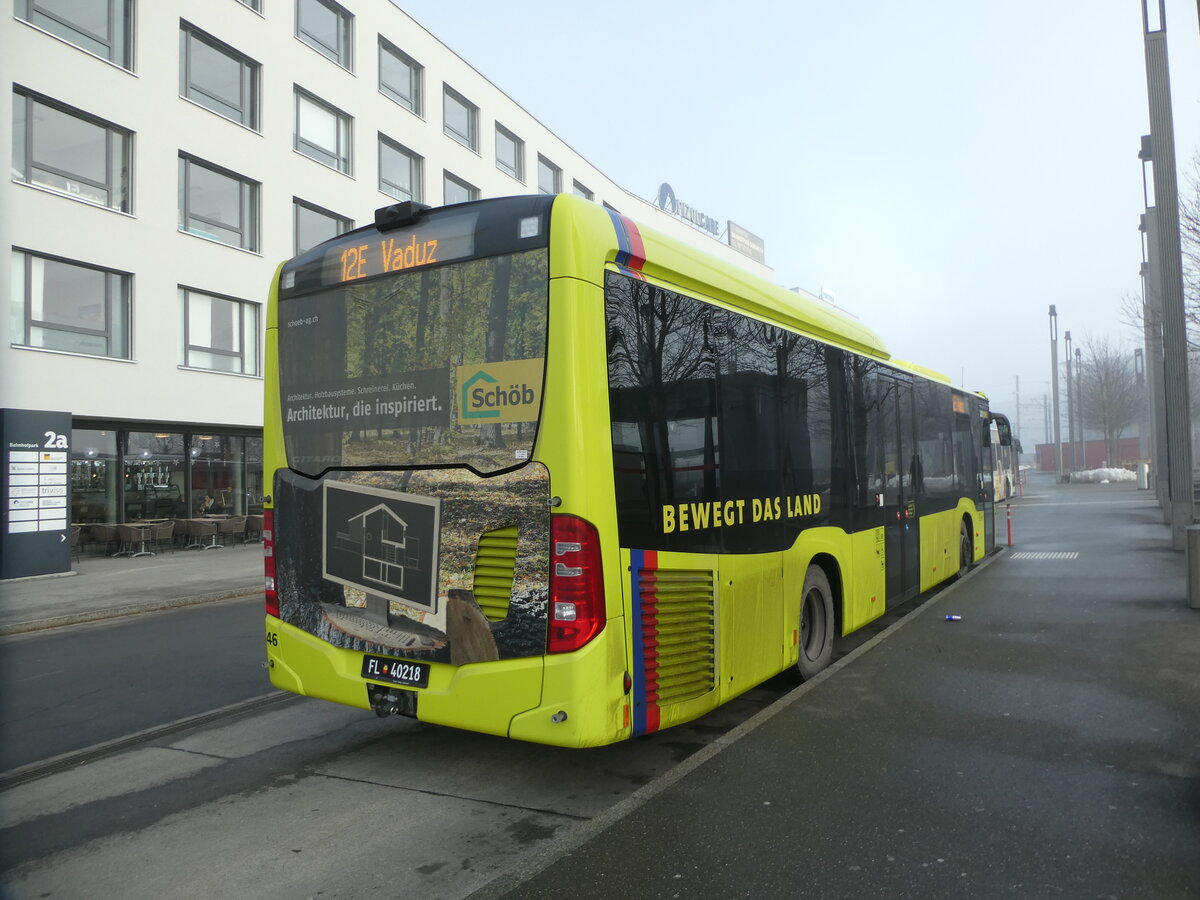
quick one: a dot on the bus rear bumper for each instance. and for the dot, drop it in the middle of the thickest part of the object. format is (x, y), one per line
(477, 697)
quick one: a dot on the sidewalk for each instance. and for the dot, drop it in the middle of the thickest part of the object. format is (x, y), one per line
(1045, 745)
(102, 587)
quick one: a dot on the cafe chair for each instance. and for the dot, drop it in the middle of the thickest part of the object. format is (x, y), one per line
(230, 528)
(204, 534)
(106, 536)
(133, 540)
(254, 529)
(164, 536)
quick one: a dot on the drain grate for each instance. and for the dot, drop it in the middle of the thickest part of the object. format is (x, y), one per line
(1034, 554)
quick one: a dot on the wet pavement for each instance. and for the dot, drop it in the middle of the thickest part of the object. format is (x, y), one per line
(101, 586)
(1047, 744)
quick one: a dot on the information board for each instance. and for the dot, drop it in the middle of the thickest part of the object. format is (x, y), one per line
(36, 486)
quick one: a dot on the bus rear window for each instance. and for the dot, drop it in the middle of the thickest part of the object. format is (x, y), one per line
(428, 367)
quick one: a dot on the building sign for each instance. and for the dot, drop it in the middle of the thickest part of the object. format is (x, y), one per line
(36, 537)
(747, 243)
(668, 203)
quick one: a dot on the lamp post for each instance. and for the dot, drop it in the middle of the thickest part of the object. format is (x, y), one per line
(1139, 375)
(1070, 406)
(1167, 259)
(1083, 464)
(1058, 454)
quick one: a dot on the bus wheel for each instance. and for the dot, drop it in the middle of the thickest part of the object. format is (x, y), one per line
(816, 624)
(966, 550)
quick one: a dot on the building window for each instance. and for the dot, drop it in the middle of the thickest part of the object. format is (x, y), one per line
(255, 5)
(399, 171)
(102, 27)
(549, 176)
(322, 132)
(69, 306)
(314, 225)
(400, 76)
(455, 190)
(580, 190)
(325, 27)
(62, 149)
(217, 77)
(460, 118)
(217, 204)
(510, 153)
(219, 333)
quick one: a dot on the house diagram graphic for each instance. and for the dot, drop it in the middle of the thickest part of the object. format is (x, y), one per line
(381, 538)
(382, 542)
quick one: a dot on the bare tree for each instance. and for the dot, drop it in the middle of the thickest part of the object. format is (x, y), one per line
(1132, 309)
(1110, 396)
(1189, 240)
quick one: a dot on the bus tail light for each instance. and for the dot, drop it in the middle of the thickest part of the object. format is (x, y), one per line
(268, 539)
(576, 584)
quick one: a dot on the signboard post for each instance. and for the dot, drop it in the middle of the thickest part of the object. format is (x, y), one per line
(36, 485)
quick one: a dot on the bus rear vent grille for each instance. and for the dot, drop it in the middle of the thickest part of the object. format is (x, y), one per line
(678, 632)
(495, 564)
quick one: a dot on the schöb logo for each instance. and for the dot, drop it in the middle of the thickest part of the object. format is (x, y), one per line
(500, 392)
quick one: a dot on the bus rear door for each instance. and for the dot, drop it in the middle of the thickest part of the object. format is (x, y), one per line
(902, 479)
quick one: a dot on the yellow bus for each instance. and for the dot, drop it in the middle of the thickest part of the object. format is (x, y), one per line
(1006, 452)
(537, 471)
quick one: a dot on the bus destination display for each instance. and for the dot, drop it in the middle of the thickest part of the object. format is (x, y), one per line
(367, 255)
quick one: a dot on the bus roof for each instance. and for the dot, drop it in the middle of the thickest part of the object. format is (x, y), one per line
(681, 265)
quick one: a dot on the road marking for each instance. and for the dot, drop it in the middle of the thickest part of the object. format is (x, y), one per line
(1047, 554)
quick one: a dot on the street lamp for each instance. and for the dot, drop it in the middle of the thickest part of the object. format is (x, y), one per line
(1139, 375)
(1058, 454)
(1070, 406)
(1079, 407)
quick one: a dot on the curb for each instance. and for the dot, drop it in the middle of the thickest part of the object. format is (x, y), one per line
(123, 611)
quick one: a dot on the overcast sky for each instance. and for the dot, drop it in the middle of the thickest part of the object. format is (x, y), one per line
(946, 169)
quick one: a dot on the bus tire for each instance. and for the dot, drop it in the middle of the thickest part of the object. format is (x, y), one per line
(966, 549)
(816, 624)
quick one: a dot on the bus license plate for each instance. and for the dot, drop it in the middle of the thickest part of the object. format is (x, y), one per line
(396, 671)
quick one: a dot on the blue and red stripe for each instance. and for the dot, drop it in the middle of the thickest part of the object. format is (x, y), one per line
(631, 252)
(645, 640)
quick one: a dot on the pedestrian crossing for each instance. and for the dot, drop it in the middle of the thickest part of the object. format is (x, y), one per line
(1054, 555)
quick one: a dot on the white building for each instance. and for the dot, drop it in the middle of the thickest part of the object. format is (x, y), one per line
(166, 156)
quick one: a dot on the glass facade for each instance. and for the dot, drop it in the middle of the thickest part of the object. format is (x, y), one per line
(94, 476)
(125, 475)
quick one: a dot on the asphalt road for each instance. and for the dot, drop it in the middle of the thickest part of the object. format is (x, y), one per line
(70, 688)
